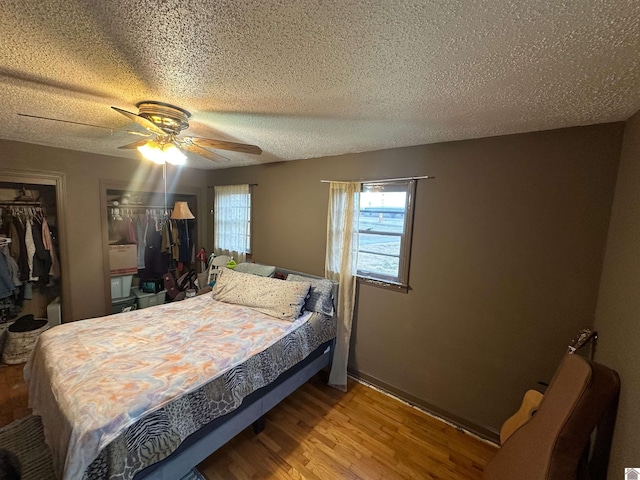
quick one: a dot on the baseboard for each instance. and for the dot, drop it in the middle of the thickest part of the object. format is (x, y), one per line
(483, 433)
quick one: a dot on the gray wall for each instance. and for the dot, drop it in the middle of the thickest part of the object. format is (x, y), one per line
(508, 245)
(83, 233)
(618, 312)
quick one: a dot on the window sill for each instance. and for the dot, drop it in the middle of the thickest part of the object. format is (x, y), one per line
(396, 287)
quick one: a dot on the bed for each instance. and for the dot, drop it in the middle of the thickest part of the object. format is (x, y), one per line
(151, 393)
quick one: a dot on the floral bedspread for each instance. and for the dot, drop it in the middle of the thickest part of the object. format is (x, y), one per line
(119, 393)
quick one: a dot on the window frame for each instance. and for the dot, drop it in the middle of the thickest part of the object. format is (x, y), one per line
(249, 221)
(401, 282)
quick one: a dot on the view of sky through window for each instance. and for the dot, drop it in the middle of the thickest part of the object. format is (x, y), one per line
(381, 222)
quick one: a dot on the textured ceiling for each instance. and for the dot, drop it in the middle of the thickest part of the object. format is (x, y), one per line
(312, 78)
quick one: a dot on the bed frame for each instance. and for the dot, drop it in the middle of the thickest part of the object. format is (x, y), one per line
(254, 407)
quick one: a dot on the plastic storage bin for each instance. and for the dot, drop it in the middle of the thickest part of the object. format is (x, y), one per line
(123, 304)
(145, 300)
(54, 313)
(121, 286)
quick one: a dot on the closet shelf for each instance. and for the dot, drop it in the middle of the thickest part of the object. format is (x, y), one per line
(19, 203)
(133, 205)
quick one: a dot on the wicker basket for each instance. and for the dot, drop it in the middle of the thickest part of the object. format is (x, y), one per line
(18, 345)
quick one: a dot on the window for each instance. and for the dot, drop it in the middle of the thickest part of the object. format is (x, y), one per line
(232, 221)
(385, 222)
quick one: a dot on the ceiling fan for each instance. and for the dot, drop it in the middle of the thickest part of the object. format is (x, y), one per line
(165, 122)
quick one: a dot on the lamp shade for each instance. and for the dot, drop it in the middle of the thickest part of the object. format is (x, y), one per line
(181, 212)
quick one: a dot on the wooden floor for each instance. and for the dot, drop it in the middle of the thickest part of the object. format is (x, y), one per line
(13, 394)
(321, 433)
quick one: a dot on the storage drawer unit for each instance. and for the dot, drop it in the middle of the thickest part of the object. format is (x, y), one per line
(145, 300)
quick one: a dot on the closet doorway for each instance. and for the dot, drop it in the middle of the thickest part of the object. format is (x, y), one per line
(131, 217)
(37, 199)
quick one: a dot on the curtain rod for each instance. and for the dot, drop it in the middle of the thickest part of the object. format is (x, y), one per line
(250, 184)
(427, 177)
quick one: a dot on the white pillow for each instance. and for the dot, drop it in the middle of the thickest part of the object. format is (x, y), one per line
(256, 269)
(273, 297)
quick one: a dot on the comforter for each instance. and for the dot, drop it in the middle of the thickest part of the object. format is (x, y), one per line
(119, 393)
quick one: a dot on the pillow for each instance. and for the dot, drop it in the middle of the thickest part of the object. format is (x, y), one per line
(283, 300)
(256, 269)
(320, 295)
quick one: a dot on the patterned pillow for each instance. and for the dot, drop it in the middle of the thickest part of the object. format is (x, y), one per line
(256, 269)
(273, 297)
(320, 295)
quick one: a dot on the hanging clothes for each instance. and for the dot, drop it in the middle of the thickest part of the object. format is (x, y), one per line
(46, 235)
(29, 258)
(49, 245)
(54, 272)
(23, 258)
(166, 237)
(175, 246)
(131, 234)
(156, 262)
(31, 248)
(185, 250)
(14, 271)
(41, 258)
(141, 223)
(15, 240)
(6, 284)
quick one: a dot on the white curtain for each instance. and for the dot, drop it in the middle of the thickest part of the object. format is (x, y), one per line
(341, 265)
(231, 213)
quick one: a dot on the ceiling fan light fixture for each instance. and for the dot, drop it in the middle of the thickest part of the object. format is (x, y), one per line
(164, 123)
(161, 154)
(152, 151)
(173, 155)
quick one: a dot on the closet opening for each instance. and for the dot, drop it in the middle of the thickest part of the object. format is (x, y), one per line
(32, 254)
(143, 244)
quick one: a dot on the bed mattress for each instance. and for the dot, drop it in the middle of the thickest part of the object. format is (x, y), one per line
(119, 393)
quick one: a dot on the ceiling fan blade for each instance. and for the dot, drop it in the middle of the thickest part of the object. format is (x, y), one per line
(84, 124)
(142, 121)
(66, 121)
(133, 145)
(231, 146)
(216, 157)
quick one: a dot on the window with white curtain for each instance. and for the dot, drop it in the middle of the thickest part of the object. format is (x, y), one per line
(232, 221)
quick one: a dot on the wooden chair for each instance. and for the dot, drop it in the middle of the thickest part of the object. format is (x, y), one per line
(555, 443)
(214, 266)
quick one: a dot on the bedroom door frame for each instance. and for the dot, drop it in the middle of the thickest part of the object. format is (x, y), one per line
(59, 181)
